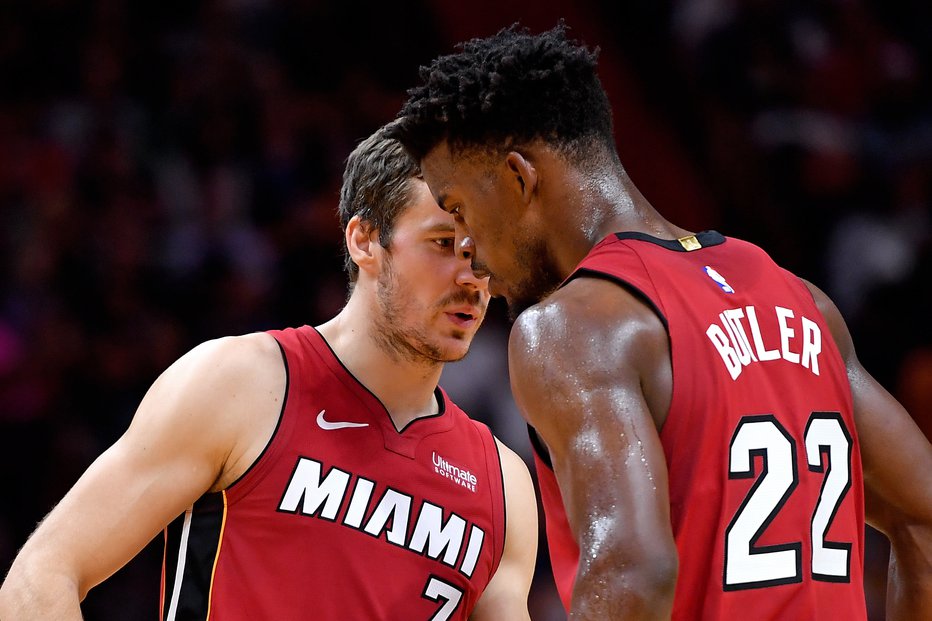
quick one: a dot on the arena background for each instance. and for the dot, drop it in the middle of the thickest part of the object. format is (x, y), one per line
(169, 174)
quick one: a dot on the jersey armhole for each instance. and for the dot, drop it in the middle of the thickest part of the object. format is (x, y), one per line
(281, 416)
(624, 284)
(495, 451)
(540, 449)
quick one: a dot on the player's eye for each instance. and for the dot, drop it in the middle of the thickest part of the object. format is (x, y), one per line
(445, 242)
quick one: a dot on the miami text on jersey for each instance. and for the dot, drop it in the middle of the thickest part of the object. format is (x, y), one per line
(732, 343)
(309, 494)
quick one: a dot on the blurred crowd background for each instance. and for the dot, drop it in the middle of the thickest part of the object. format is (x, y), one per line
(169, 174)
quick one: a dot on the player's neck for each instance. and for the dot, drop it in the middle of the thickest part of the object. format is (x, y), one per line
(631, 211)
(405, 385)
(594, 206)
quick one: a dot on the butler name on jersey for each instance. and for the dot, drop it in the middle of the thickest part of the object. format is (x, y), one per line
(732, 343)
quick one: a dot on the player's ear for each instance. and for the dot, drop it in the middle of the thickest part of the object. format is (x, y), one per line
(362, 242)
(524, 174)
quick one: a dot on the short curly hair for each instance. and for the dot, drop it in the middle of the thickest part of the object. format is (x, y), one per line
(506, 90)
(377, 187)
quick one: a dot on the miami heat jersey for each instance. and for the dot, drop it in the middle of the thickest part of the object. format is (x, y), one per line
(342, 516)
(766, 489)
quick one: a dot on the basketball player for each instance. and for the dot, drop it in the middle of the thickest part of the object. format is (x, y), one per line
(319, 473)
(709, 444)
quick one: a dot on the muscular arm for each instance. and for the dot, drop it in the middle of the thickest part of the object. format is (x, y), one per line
(506, 595)
(189, 435)
(590, 371)
(897, 461)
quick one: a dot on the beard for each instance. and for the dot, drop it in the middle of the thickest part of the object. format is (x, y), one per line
(398, 336)
(540, 279)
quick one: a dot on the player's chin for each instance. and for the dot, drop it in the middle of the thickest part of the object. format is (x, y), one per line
(457, 346)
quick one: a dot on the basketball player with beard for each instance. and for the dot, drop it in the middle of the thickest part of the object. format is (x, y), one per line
(315, 473)
(709, 446)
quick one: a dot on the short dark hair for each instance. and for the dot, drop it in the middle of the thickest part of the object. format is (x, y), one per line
(510, 89)
(376, 187)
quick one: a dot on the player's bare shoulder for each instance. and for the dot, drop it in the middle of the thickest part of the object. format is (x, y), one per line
(232, 371)
(245, 367)
(591, 316)
(252, 384)
(591, 332)
(226, 394)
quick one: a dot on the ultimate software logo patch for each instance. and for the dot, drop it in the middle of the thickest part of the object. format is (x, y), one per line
(458, 475)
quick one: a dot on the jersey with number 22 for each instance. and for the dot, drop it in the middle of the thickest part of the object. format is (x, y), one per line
(766, 490)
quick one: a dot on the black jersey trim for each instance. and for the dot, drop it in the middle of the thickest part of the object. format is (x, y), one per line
(537, 444)
(441, 403)
(281, 417)
(441, 410)
(201, 547)
(501, 474)
(624, 284)
(705, 238)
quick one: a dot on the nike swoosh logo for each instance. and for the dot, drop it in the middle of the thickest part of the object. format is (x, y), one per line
(330, 426)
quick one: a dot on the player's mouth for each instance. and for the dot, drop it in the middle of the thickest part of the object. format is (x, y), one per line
(463, 317)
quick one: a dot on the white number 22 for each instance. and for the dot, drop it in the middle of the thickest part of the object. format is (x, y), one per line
(748, 566)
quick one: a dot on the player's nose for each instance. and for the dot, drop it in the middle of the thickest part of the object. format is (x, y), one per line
(466, 250)
(465, 246)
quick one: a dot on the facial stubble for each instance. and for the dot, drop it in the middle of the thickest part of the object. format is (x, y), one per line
(396, 336)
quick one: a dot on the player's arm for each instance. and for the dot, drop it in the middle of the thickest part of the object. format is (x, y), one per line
(897, 462)
(586, 366)
(506, 595)
(185, 439)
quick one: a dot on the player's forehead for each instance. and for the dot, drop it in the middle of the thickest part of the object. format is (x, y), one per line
(422, 214)
(448, 171)
(438, 166)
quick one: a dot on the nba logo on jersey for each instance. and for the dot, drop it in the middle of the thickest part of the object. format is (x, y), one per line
(719, 279)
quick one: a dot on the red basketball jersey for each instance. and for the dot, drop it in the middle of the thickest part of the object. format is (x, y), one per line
(766, 488)
(342, 516)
